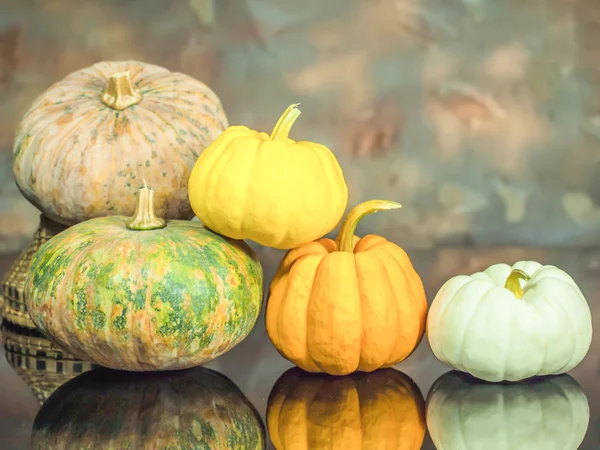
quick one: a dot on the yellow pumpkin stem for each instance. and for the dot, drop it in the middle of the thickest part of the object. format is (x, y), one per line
(145, 217)
(513, 282)
(346, 237)
(120, 93)
(282, 128)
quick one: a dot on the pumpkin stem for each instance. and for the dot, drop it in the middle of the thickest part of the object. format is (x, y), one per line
(346, 237)
(513, 282)
(144, 217)
(120, 93)
(282, 128)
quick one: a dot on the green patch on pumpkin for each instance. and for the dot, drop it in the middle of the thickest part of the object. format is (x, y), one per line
(120, 322)
(98, 319)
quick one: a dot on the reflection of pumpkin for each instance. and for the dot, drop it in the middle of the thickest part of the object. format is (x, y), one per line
(144, 294)
(84, 145)
(382, 409)
(468, 414)
(106, 409)
(353, 304)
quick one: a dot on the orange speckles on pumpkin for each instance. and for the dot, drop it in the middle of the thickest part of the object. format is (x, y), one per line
(218, 319)
(64, 120)
(199, 274)
(233, 280)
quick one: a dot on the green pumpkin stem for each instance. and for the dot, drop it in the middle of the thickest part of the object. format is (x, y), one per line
(345, 239)
(120, 93)
(513, 282)
(282, 128)
(145, 217)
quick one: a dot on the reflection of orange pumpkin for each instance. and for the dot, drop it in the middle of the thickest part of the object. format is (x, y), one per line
(382, 409)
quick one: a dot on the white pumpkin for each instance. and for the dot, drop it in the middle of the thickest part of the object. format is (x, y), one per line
(464, 413)
(507, 328)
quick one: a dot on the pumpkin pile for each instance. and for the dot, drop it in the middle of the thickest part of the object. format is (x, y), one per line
(134, 284)
(85, 144)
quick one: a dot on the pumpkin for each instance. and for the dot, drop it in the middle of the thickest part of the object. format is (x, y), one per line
(191, 409)
(346, 305)
(268, 188)
(383, 409)
(550, 413)
(143, 293)
(82, 148)
(510, 323)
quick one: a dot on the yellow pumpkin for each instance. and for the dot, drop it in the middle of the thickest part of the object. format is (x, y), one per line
(383, 409)
(354, 304)
(85, 144)
(268, 188)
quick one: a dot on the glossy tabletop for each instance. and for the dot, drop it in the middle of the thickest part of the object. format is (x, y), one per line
(539, 414)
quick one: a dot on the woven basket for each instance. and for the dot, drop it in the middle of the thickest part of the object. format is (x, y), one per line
(38, 362)
(14, 309)
(29, 342)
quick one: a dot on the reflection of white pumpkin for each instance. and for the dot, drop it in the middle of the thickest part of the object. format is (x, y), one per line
(464, 413)
(510, 323)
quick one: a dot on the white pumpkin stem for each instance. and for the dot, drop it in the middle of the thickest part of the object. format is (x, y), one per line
(145, 217)
(120, 93)
(282, 128)
(513, 282)
(345, 239)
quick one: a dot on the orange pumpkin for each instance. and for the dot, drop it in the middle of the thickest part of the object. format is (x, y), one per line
(383, 409)
(85, 144)
(346, 305)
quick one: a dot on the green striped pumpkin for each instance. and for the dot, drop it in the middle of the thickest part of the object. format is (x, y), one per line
(144, 294)
(107, 409)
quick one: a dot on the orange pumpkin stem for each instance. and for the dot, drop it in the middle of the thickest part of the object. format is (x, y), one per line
(120, 93)
(513, 282)
(145, 217)
(346, 237)
(282, 128)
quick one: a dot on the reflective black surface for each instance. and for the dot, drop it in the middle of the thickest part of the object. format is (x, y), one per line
(101, 406)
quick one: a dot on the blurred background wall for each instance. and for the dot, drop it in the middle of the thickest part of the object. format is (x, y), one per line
(481, 117)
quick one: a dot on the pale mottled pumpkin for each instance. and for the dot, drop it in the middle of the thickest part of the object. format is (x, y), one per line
(83, 147)
(106, 409)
